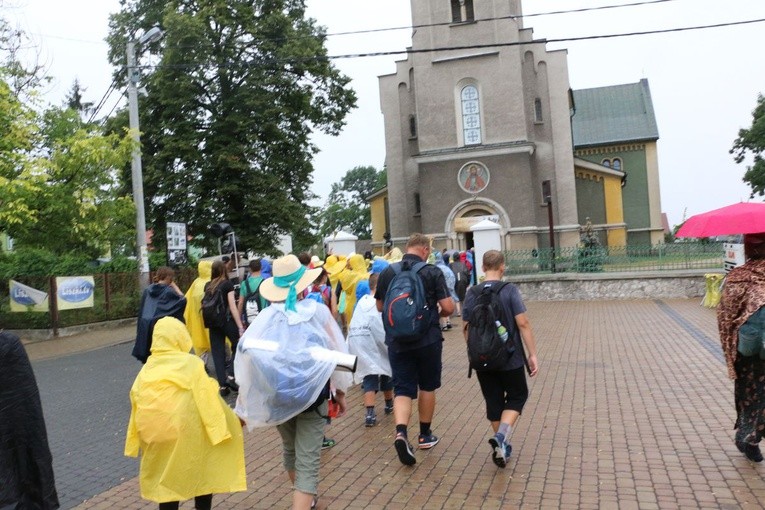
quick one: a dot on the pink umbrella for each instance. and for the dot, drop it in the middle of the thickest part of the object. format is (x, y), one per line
(741, 218)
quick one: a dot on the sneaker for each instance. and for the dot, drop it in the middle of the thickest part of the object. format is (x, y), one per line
(448, 325)
(500, 451)
(404, 450)
(231, 383)
(371, 420)
(328, 443)
(427, 442)
(224, 391)
(388, 409)
(444, 328)
(752, 451)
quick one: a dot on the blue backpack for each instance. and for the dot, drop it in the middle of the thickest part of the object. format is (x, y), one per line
(406, 315)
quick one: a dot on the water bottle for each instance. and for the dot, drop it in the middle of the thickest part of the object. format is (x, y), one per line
(501, 331)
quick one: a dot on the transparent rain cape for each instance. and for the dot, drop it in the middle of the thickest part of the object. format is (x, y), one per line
(366, 339)
(284, 360)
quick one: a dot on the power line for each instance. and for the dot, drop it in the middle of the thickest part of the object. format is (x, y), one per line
(102, 101)
(545, 41)
(106, 117)
(477, 46)
(411, 27)
(73, 39)
(497, 18)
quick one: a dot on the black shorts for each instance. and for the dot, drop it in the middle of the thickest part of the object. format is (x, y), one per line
(418, 368)
(503, 390)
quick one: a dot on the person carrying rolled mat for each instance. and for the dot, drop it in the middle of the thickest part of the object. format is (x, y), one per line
(286, 367)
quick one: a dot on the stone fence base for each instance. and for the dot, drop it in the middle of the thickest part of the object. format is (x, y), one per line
(593, 286)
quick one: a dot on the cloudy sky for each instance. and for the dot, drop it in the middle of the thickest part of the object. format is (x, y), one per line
(704, 83)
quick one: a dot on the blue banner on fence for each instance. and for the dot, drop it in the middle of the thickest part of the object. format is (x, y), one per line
(75, 292)
(27, 299)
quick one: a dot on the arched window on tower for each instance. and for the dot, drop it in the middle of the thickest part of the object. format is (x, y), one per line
(462, 11)
(616, 164)
(471, 115)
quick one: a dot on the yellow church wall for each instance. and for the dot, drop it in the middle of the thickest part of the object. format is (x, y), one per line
(612, 186)
(377, 208)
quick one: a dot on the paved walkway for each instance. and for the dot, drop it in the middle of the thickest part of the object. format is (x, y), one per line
(632, 409)
(81, 342)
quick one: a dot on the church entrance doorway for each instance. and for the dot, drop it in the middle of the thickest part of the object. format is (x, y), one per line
(469, 243)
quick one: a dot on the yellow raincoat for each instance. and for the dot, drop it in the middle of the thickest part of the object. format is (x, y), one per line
(333, 265)
(349, 278)
(200, 335)
(191, 441)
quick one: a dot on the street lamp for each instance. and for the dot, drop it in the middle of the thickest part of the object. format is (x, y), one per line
(133, 75)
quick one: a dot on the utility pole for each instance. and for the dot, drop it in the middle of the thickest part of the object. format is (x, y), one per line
(133, 75)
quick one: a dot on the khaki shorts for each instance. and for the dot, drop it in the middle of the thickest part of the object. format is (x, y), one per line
(301, 447)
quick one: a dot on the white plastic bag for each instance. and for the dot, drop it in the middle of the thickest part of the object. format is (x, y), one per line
(278, 375)
(366, 339)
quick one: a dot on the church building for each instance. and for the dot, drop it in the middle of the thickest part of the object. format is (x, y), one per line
(481, 123)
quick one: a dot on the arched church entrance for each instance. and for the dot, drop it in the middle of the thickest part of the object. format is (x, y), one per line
(470, 218)
(470, 212)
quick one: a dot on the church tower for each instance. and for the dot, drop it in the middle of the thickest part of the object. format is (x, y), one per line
(477, 118)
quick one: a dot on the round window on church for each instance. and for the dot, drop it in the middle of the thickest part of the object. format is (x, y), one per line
(473, 177)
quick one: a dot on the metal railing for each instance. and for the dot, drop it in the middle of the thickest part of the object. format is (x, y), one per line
(660, 257)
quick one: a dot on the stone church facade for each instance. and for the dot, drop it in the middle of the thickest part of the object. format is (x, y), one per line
(473, 133)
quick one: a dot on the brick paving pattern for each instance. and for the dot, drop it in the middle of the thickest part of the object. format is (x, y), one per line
(632, 409)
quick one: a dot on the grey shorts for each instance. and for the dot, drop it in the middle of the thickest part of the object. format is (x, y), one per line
(301, 447)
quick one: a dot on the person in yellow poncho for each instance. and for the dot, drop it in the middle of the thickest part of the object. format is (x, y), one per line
(191, 441)
(349, 278)
(200, 335)
(333, 265)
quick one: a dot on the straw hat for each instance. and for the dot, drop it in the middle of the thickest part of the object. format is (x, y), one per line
(316, 262)
(283, 267)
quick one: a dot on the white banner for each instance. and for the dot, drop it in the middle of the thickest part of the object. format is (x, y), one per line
(27, 299)
(75, 292)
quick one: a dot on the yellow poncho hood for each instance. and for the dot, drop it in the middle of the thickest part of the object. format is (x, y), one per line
(349, 278)
(191, 441)
(200, 335)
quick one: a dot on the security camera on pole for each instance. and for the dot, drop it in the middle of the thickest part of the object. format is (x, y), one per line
(133, 76)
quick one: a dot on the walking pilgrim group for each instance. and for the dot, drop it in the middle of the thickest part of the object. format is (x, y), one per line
(317, 330)
(310, 317)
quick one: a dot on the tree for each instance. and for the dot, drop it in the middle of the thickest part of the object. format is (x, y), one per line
(18, 180)
(231, 106)
(64, 192)
(74, 100)
(58, 177)
(58, 180)
(753, 140)
(22, 77)
(347, 206)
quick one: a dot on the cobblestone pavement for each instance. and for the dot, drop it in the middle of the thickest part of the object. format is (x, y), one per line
(632, 409)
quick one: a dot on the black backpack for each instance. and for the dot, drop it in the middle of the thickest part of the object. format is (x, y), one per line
(214, 309)
(406, 315)
(486, 349)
